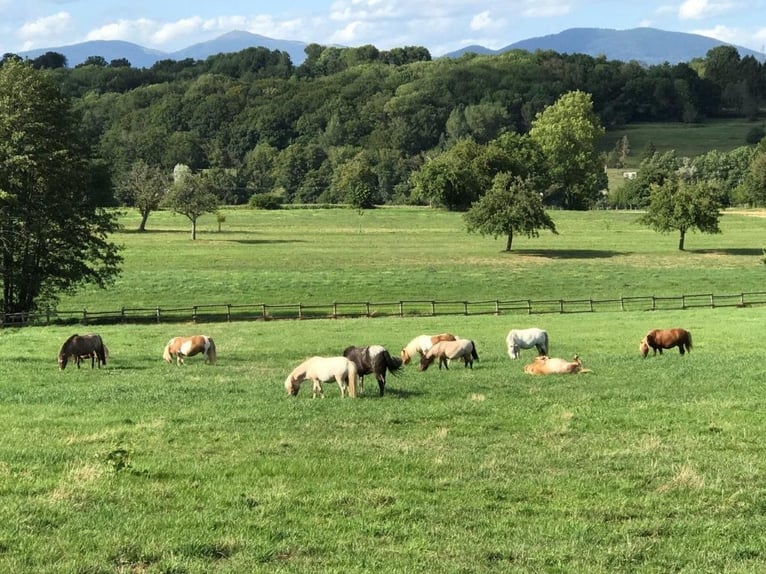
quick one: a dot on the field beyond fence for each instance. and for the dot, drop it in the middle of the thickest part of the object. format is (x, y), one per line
(351, 310)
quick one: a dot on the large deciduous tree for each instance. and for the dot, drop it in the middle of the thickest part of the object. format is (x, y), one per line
(511, 207)
(679, 205)
(143, 187)
(568, 132)
(191, 195)
(53, 237)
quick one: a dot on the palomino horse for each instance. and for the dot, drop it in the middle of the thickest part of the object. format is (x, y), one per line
(421, 344)
(78, 345)
(543, 365)
(320, 370)
(658, 339)
(448, 350)
(518, 339)
(180, 347)
(374, 359)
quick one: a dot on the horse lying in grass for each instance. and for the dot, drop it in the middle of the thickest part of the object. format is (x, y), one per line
(373, 359)
(518, 339)
(543, 365)
(421, 344)
(321, 370)
(78, 345)
(180, 347)
(446, 351)
(658, 339)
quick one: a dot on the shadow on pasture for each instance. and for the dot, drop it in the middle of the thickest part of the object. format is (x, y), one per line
(747, 251)
(398, 393)
(266, 241)
(570, 253)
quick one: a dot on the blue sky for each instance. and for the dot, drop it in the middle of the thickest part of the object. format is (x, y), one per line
(440, 25)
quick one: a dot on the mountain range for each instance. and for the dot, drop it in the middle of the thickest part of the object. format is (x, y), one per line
(648, 46)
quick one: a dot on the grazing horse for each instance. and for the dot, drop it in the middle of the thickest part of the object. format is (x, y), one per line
(421, 344)
(321, 370)
(543, 365)
(374, 359)
(78, 345)
(518, 339)
(658, 339)
(448, 350)
(180, 347)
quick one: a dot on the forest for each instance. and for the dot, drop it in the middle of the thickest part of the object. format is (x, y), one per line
(260, 127)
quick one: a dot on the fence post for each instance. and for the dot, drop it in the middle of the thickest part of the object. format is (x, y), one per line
(497, 307)
(591, 305)
(401, 308)
(367, 306)
(622, 303)
(529, 306)
(561, 305)
(334, 309)
(300, 310)
(465, 307)
(228, 312)
(712, 301)
(683, 301)
(433, 308)
(194, 314)
(742, 299)
(654, 308)
(158, 315)
(263, 311)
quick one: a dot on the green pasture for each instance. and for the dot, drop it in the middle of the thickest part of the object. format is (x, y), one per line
(645, 465)
(319, 256)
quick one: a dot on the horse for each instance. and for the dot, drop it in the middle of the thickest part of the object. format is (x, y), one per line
(658, 339)
(373, 359)
(181, 347)
(518, 339)
(543, 365)
(321, 370)
(78, 345)
(448, 350)
(421, 344)
(91, 355)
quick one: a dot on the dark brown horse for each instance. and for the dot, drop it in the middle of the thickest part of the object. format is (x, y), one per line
(659, 339)
(82, 345)
(376, 360)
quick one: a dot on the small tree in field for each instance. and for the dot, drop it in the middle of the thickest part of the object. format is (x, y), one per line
(191, 195)
(143, 187)
(677, 205)
(513, 206)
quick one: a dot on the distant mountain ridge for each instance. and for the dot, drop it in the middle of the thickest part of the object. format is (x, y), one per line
(649, 46)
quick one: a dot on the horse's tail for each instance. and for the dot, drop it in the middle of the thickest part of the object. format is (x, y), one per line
(688, 341)
(101, 352)
(166, 353)
(211, 353)
(474, 353)
(351, 379)
(394, 364)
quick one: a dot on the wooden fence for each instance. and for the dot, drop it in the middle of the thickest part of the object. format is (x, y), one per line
(411, 308)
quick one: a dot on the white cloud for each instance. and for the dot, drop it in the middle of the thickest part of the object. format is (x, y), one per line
(46, 29)
(546, 8)
(698, 9)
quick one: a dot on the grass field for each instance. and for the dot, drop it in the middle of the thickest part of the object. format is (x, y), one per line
(645, 465)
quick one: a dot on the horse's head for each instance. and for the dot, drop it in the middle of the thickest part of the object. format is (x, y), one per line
(63, 360)
(643, 346)
(292, 386)
(405, 357)
(425, 362)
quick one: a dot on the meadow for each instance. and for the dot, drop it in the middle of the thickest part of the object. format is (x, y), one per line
(644, 465)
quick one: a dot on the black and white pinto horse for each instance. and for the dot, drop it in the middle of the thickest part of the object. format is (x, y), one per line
(373, 359)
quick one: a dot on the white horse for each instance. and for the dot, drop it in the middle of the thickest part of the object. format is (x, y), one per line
(423, 343)
(518, 339)
(320, 370)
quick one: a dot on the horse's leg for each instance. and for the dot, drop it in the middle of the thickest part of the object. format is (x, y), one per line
(681, 348)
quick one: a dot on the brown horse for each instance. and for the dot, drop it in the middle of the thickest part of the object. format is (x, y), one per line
(658, 339)
(181, 347)
(421, 344)
(373, 359)
(92, 356)
(543, 365)
(447, 350)
(78, 345)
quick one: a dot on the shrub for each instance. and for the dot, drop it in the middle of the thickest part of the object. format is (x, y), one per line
(265, 201)
(755, 135)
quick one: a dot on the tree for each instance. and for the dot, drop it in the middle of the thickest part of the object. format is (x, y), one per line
(679, 205)
(513, 206)
(568, 132)
(191, 195)
(143, 187)
(53, 237)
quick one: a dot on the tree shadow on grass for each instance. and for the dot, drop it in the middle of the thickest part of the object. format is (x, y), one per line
(266, 241)
(570, 253)
(747, 251)
(396, 393)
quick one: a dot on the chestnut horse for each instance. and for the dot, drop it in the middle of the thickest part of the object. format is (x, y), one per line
(79, 345)
(543, 365)
(448, 350)
(421, 344)
(321, 370)
(658, 339)
(374, 359)
(180, 347)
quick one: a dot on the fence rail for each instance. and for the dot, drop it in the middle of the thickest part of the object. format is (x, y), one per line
(211, 313)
